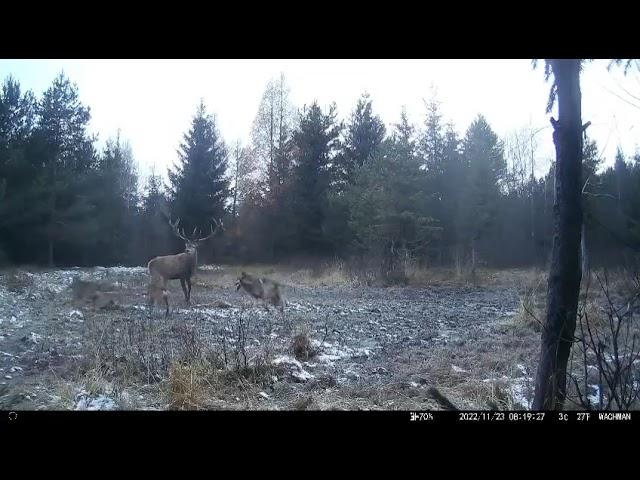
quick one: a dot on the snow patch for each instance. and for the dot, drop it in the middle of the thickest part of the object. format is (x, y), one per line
(331, 353)
(519, 387)
(101, 402)
(35, 338)
(129, 270)
(214, 268)
(458, 369)
(594, 398)
(519, 390)
(295, 368)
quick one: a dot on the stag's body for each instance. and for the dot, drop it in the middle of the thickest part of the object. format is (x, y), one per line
(175, 267)
(262, 288)
(181, 266)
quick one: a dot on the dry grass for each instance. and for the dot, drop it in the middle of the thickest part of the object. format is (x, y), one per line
(336, 272)
(301, 344)
(172, 359)
(188, 385)
(301, 347)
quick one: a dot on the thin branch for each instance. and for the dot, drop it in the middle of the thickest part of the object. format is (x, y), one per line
(604, 195)
(623, 99)
(625, 91)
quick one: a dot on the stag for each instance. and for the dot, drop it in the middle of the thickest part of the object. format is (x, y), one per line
(181, 266)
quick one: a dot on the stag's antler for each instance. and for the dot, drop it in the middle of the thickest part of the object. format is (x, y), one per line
(174, 227)
(219, 226)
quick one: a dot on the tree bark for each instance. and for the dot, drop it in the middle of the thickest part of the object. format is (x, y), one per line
(584, 252)
(565, 273)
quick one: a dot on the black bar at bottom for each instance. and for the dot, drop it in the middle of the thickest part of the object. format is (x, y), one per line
(18, 418)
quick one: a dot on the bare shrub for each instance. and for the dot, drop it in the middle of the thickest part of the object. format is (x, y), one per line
(604, 369)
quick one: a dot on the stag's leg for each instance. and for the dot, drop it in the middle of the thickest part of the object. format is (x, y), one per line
(184, 289)
(165, 297)
(189, 293)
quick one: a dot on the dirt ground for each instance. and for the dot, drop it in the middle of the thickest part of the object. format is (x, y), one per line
(339, 345)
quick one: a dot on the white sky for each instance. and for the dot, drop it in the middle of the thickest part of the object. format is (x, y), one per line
(153, 101)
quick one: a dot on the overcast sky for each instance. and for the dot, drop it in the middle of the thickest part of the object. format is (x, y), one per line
(153, 101)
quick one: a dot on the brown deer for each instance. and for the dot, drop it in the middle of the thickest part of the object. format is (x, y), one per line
(263, 289)
(181, 266)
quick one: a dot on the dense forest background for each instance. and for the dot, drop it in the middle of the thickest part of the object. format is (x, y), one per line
(305, 186)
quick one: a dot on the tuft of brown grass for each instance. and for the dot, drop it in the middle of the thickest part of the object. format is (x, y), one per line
(530, 314)
(301, 347)
(188, 386)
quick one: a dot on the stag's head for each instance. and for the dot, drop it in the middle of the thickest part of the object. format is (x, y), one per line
(193, 241)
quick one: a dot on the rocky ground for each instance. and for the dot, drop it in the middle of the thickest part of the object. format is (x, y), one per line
(339, 345)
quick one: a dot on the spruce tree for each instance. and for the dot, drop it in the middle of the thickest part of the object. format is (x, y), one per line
(199, 187)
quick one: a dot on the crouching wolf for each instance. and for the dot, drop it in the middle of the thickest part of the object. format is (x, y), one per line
(263, 289)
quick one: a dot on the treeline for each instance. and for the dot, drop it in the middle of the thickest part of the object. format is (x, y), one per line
(305, 185)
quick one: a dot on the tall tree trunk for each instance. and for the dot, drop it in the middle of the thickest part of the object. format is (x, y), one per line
(532, 189)
(473, 256)
(235, 188)
(544, 226)
(565, 274)
(584, 252)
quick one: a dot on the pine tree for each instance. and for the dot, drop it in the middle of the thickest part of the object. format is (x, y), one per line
(365, 133)
(116, 202)
(316, 142)
(64, 154)
(387, 203)
(155, 211)
(17, 117)
(432, 142)
(451, 193)
(485, 169)
(199, 187)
